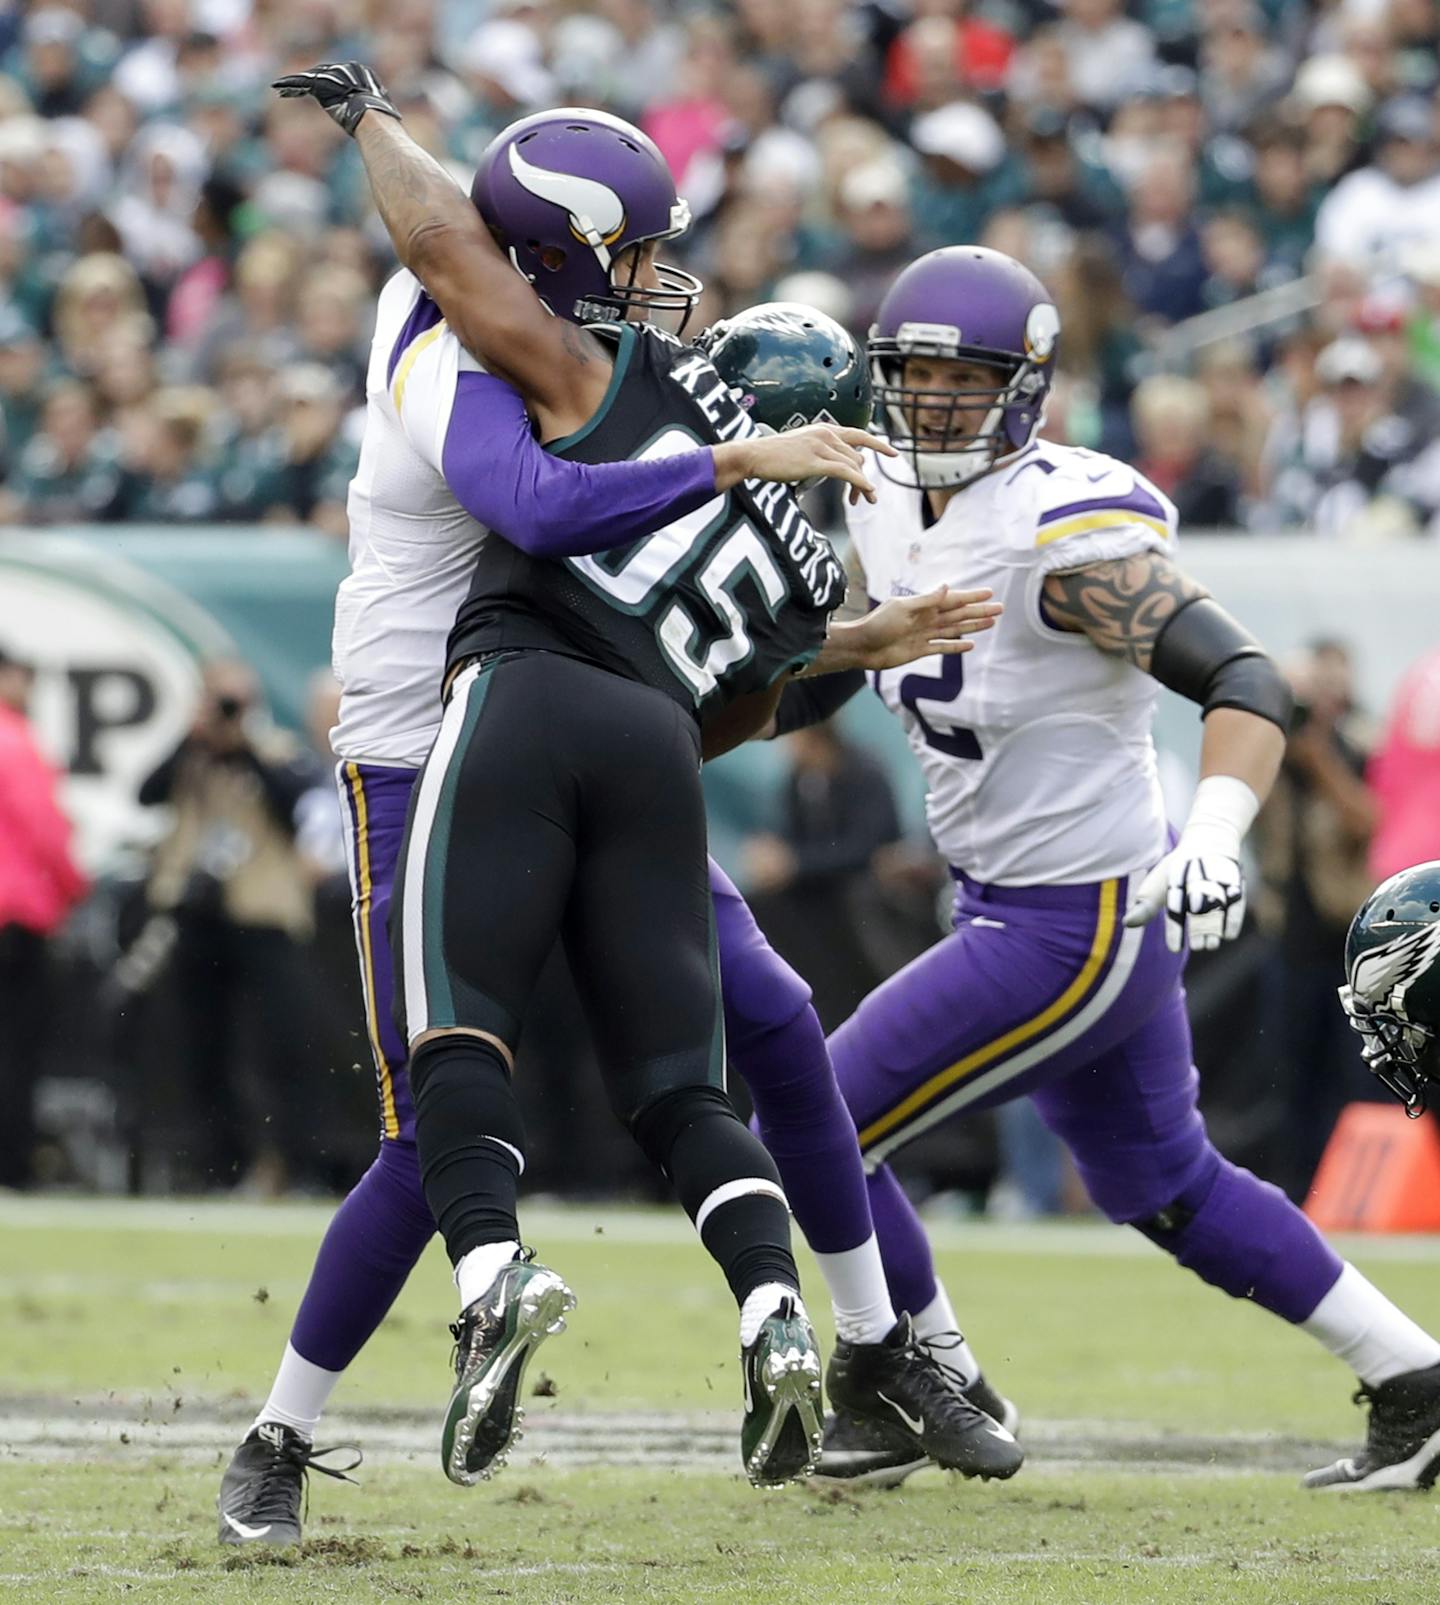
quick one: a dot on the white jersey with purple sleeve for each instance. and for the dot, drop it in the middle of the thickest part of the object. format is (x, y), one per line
(448, 457)
(412, 545)
(1036, 746)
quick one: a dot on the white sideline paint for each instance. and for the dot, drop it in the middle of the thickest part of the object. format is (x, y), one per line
(557, 1223)
(57, 1430)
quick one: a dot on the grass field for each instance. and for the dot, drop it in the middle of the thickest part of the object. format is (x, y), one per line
(1167, 1428)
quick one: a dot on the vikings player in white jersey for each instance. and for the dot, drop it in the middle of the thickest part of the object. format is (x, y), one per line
(1059, 982)
(449, 456)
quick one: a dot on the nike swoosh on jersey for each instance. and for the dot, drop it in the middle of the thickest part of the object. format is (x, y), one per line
(993, 925)
(244, 1531)
(915, 1423)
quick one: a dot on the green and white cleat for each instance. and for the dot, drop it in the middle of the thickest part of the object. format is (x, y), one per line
(780, 1435)
(494, 1340)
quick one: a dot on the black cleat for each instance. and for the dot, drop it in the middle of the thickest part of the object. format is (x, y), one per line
(1402, 1447)
(857, 1450)
(993, 1403)
(941, 1348)
(897, 1383)
(260, 1493)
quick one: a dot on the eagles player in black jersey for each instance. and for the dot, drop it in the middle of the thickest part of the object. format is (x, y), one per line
(562, 795)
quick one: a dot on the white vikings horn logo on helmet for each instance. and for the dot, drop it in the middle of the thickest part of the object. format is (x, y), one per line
(1042, 330)
(597, 214)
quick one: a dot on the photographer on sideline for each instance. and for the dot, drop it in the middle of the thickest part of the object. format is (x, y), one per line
(1312, 837)
(230, 874)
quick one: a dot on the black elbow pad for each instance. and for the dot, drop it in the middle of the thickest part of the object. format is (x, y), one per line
(1206, 656)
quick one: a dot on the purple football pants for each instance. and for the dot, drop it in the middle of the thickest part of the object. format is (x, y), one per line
(773, 1038)
(1041, 991)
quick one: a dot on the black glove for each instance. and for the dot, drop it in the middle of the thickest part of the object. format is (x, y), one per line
(346, 90)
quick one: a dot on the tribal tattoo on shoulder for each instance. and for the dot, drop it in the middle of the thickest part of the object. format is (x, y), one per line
(1122, 605)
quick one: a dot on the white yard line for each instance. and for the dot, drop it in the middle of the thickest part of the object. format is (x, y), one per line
(555, 1223)
(35, 1430)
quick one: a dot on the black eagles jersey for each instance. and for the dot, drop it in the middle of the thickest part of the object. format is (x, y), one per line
(719, 603)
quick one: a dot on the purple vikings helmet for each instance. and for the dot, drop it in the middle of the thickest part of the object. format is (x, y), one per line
(971, 303)
(565, 192)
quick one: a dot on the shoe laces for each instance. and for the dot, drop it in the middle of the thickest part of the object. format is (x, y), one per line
(288, 1462)
(936, 1348)
(937, 1382)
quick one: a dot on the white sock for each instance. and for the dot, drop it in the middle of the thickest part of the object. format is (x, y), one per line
(858, 1294)
(478, 1269)
(937, 1322)
(762, 1304)
(299, 1394)
(1359, 1325)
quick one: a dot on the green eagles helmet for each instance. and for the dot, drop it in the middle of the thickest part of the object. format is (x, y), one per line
(1392, 990)
(791, 365)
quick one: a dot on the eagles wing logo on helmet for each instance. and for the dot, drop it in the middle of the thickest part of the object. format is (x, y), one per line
(1382, 976)
(597, 214)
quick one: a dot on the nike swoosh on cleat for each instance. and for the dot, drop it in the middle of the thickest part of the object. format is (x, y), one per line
(997, 1431)
(915, 1423)
(244, 1531)
(749, 1397)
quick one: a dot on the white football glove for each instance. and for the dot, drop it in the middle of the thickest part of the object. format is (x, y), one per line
(1199, 882)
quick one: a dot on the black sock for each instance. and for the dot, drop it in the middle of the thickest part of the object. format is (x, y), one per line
(727, 1183)
(471, 1141)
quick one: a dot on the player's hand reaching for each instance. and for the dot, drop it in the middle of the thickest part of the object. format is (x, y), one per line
(345, 90)
(816, 451)
(909, 627)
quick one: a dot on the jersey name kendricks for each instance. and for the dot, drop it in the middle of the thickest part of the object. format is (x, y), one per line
(811, 552)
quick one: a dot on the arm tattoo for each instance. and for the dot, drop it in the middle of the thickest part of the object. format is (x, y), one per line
(415, 196)
(580, 345)
(1122, 605)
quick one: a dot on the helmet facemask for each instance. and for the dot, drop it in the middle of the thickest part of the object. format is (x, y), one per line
(1400, 1053)
(942, 444)
(668, 302)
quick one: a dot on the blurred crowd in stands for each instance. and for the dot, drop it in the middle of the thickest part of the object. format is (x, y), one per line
(1236, 203)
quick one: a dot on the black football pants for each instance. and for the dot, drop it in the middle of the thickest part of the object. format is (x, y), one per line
(562, 800)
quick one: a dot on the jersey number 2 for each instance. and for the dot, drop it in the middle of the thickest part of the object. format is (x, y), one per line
(943, 687)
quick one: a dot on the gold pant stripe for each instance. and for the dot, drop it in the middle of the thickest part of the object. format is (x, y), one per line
(367, 954)
(1018, 1035)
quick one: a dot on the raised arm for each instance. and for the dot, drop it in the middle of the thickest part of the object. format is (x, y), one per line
(441, 238)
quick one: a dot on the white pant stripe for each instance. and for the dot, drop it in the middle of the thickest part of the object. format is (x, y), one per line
(729, 1191)
(1007, 1069)
(432, 781)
